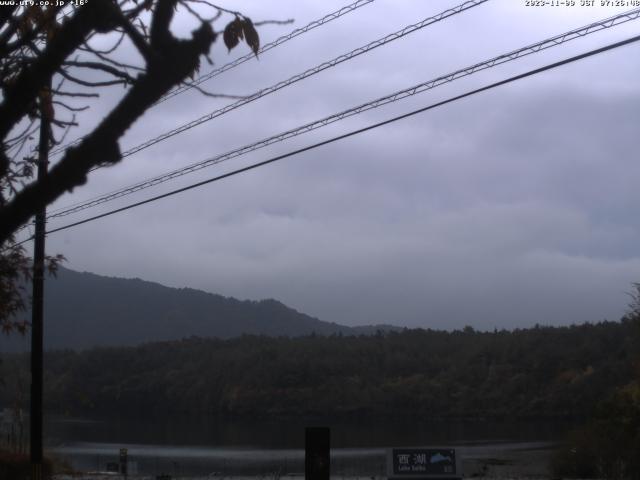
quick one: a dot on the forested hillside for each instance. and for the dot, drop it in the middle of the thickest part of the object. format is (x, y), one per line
(85, 310)
(539, 372)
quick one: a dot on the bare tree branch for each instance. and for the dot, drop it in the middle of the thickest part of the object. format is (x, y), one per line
(101, 66)
(136, 38)
(27, 84)
(111, 61)
(109, 50)
(76, 94)
(69, 107)
(173, 61)
(273, 22)
(87, 83)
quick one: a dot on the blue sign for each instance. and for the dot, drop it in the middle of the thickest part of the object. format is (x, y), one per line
(423, 462)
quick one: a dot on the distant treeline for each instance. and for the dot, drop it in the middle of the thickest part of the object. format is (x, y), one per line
(537, 372)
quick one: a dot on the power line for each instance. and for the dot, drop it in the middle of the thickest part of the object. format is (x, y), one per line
(306, 74)
(267, 47)
(228, 66)
(337, 60)
(356, 132)
(422, 87)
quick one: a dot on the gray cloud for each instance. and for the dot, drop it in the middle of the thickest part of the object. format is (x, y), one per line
(507, 209)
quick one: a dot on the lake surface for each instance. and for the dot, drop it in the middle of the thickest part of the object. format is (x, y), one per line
(188, 446)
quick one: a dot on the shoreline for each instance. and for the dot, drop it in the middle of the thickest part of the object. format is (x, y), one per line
(512, 460)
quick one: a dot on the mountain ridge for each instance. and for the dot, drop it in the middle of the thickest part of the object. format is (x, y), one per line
(85, 310)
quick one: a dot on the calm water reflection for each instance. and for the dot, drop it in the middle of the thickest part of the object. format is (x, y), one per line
(290, 434)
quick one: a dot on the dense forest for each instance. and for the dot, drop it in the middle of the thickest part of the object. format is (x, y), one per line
(537, 372)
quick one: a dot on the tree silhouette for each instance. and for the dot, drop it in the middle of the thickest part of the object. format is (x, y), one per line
(51, 67)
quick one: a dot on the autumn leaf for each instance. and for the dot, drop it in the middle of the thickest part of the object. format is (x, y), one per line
(233, 33)
(251, 35)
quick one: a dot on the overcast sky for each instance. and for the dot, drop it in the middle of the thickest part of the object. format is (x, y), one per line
(506, 209)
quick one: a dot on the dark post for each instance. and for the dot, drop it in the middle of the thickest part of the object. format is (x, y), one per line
(123, 461)
(37, 308)
(316, 453)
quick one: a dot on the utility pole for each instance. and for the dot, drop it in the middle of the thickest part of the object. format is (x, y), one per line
(37, 295)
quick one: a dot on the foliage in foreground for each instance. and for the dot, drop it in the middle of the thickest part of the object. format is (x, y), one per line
(607, 447)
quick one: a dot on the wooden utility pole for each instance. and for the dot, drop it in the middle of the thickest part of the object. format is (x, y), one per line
(37, 296)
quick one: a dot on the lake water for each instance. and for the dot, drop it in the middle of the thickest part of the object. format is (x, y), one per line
(188, 446)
